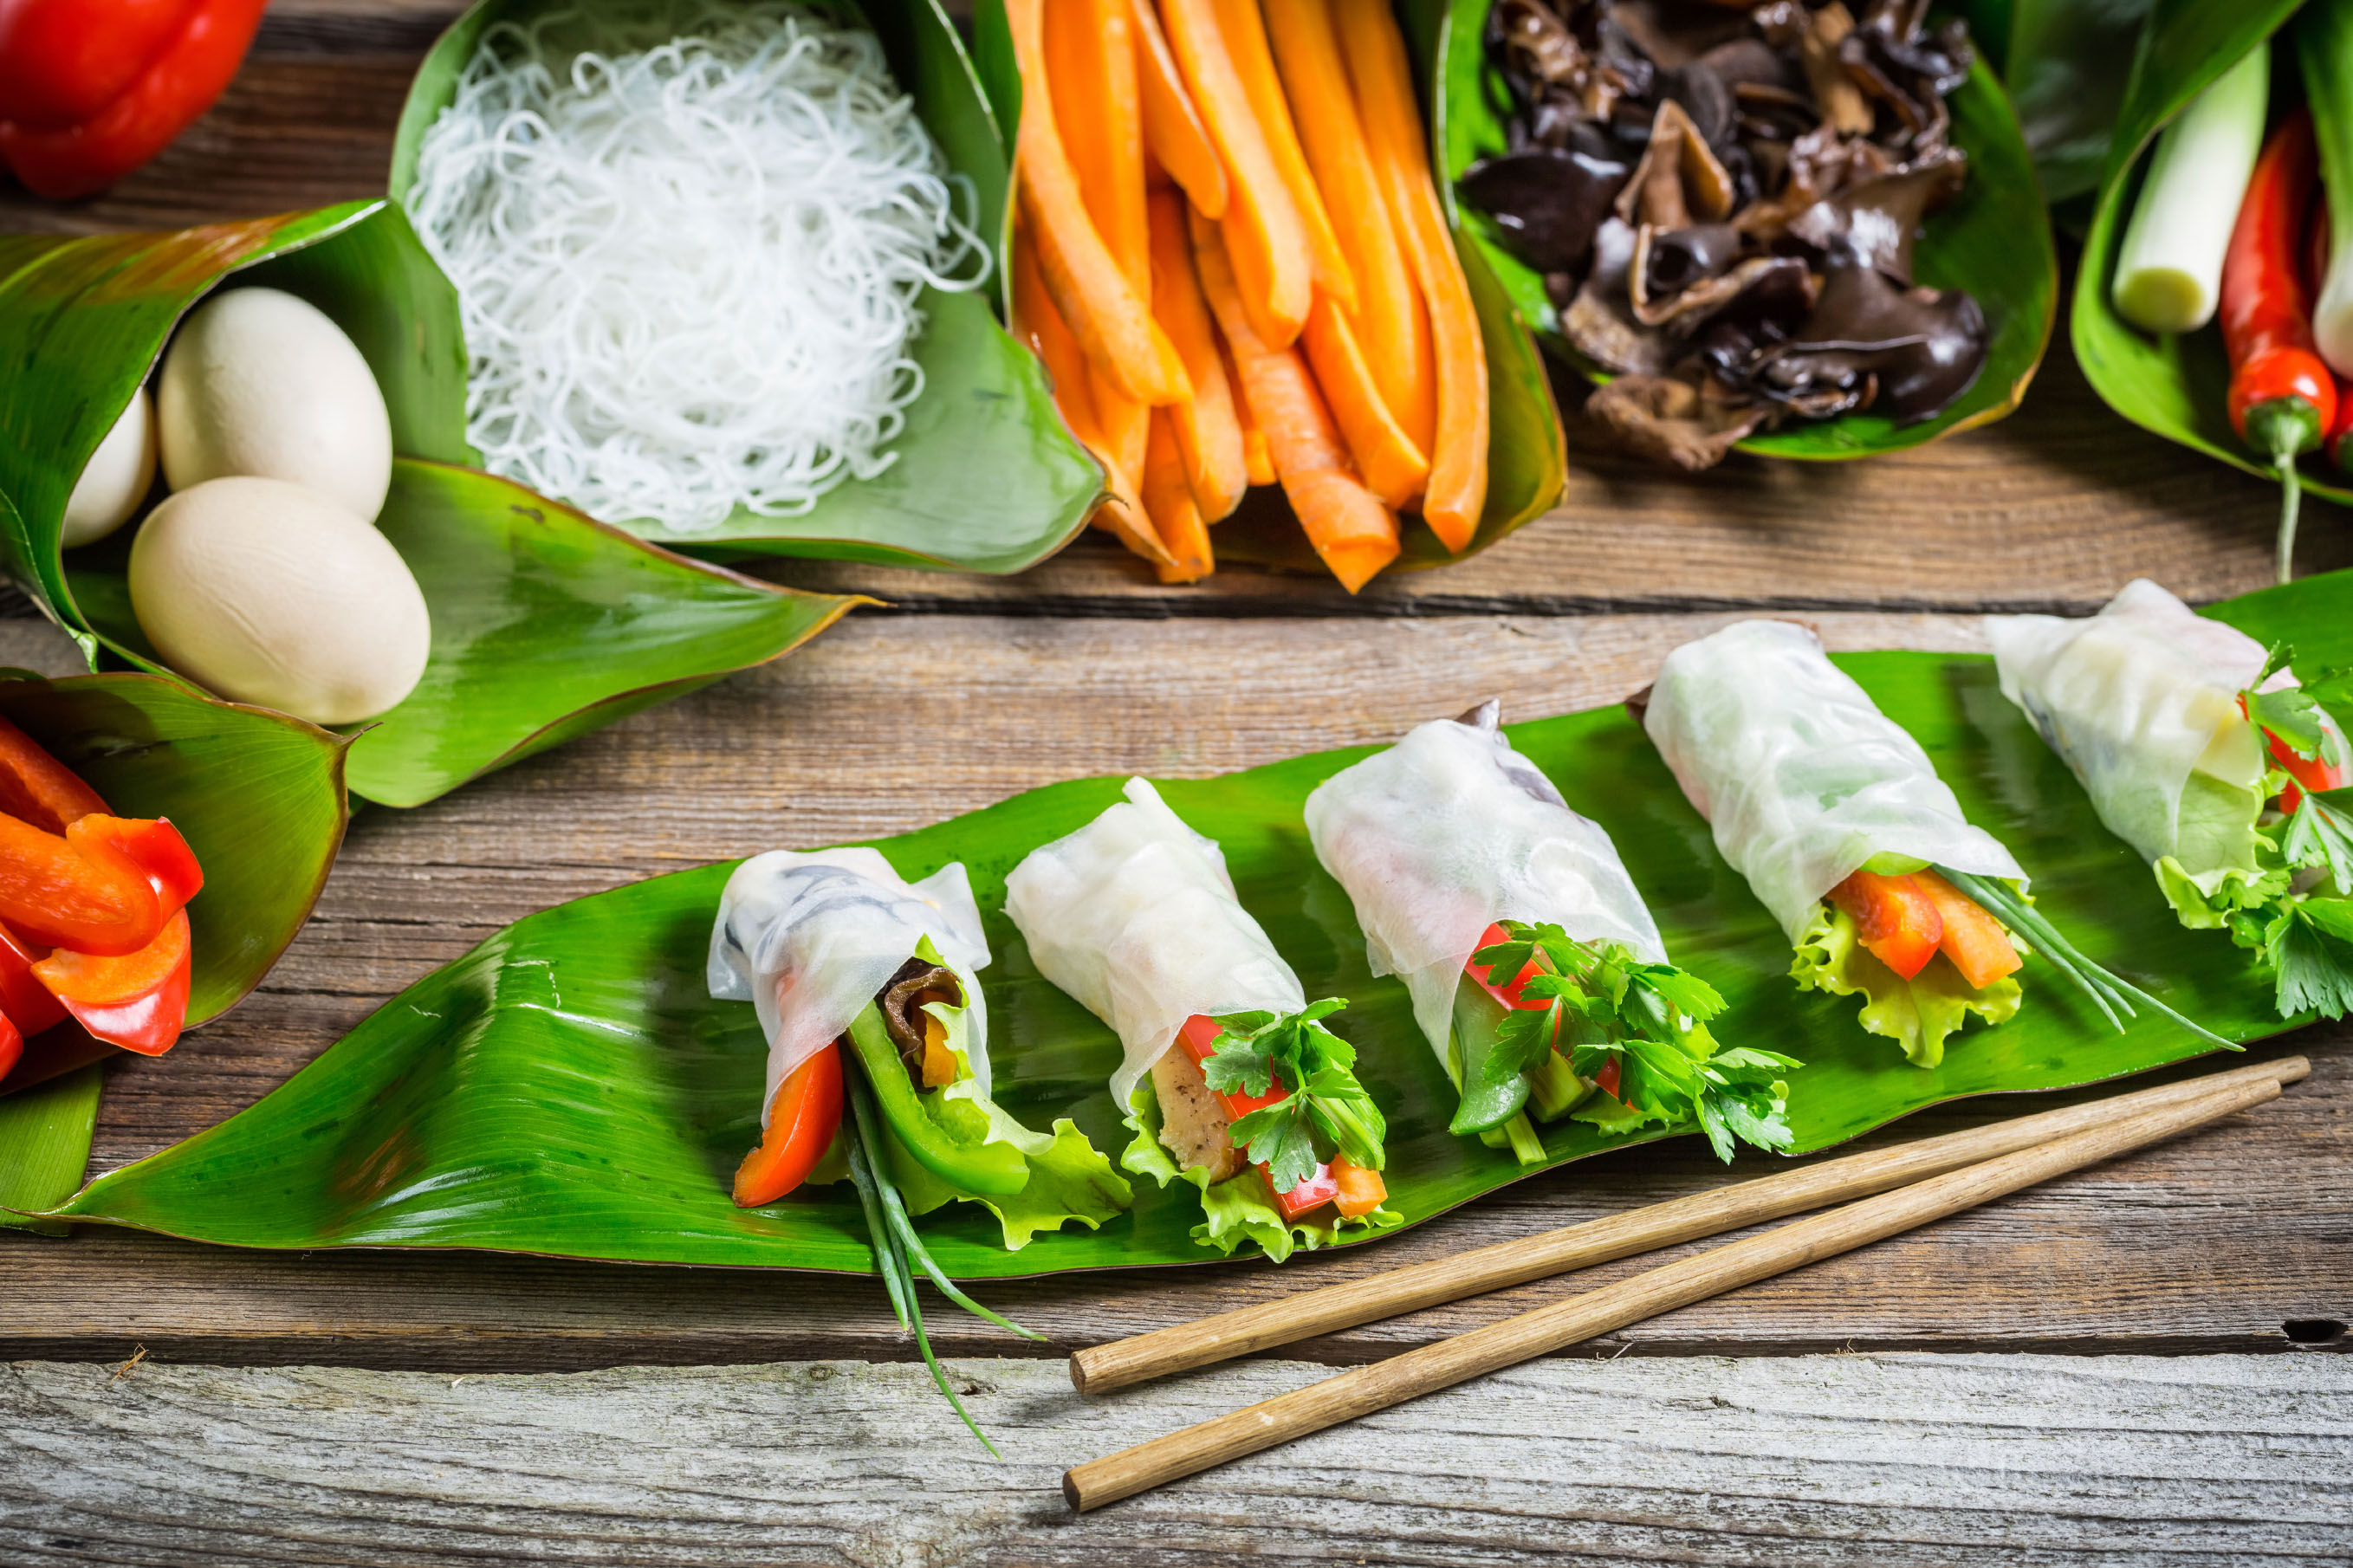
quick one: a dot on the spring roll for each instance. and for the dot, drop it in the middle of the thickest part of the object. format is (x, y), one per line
(1227, 1078)
(1837, 819)
(860, 976)
(1470, 876)
(2201, 750)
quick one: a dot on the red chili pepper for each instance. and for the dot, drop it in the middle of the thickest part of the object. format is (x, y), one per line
(2283, 397)
(93, 89)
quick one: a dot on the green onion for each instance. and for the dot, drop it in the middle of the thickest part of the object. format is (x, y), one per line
(2170, 274)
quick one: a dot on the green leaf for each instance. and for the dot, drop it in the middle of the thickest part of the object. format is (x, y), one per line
(2066, 66)
(1994, 240)
(2320, 833)
(1919, 1014)
(455, 1116)
(2175, 386)
(986, 476)
(45, 1146)
(2313, 946)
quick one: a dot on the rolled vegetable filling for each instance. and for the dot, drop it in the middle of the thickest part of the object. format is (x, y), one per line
(1535, 967)
(1231, 1080)
(2200, 749)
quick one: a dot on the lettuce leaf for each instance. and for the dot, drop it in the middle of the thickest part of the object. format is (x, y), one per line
(2215, 830)
(1917, 1014)
(1239, 1209)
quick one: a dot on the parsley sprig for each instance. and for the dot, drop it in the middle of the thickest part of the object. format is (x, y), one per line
(2308, 938)
(1257, 1050)
(1602, 1003)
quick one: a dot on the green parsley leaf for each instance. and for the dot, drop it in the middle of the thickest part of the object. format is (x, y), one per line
(2290, 715)
(2316, 971)
(1277, 1136)
(2321, 834)
(1256, 1052)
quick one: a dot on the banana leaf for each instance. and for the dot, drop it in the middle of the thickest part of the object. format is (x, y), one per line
(986, 477)
(546, 624)
(1527, 458)
(570, 1088)
(1993, 240)
(259, 798)
(2176, 386)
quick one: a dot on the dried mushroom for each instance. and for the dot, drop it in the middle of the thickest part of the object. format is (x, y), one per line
(1723, 201)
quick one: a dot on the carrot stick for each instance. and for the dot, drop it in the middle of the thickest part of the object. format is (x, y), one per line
(1125, 423)
(1457, 492)
(1353, 533)
(1111, 321)
(1258, 462)
(1387, 317)
(1263, 229)
(1245, 36)
(1208, 435)
(1037, 323)
(1392, 465)
(1172, 127)
(1168, 500)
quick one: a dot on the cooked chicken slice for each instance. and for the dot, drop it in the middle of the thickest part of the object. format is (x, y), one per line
(1192, 1118)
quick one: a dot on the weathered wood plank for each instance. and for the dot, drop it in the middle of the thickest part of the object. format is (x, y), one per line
(1890, 1460)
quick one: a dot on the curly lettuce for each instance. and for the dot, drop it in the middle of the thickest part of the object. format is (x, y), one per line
(1917, 1014)
(1241, 1209)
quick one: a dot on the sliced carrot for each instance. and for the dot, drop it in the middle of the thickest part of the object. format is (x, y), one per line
(1112, 322)
(1207, 434)
(1895, 918)
(1037, 323)
(1262, 225)
(1125, 423)
(1354, 534)
(1258, 462)
(1091, 69)
(1457, 492)
(1392, 465)
(1173, 132)
(1246, 46)
(1388, 316)
(1973, 939)
(1361, 1191)
(1168, 500)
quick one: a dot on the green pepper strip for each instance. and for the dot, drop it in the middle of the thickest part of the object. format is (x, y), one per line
(996, 1168)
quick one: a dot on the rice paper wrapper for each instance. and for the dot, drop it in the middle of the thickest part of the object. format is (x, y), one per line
(2135, 700)
(1136, 917)
(808, 937)
(1448, 832)
(1799, 772)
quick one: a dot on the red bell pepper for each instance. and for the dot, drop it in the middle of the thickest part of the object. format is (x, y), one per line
(1514, 994)
(27, 1002)
(12, 1044)
(2282, 398)
(34, 786)
(802, 1121)
(77, 891)
(93, 89)
(137, 1001)
(152, 845)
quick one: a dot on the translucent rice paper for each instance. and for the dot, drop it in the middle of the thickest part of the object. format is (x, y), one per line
(1450, 830)
(2133, 700)
(1135, 916)
(808, 937)
(1802, 778)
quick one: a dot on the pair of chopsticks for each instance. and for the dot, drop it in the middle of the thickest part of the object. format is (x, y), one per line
(1900, 1188)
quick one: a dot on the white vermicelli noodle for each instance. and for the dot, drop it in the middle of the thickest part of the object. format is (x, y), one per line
(688, 264)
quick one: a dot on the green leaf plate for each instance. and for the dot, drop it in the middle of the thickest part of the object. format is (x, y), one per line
(1527, 456)
(546, 624)
(2176, 386)
(986, 476)
(258, 796)
(569, 1087)
(1994, 240)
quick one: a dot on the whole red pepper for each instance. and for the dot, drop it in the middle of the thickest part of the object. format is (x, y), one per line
(2283, 397)
(90, 90)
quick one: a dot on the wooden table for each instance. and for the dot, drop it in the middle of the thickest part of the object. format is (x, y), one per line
(2115, 1368)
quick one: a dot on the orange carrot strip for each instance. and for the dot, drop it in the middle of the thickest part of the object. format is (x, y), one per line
(1125, 423)
(1168, 500)
(1457, 492)
(1387, 317)
(1037, 323)
(1246, 46)
(1262, 225)
(1172, 127)
(1102, 311)
(1091, 69)
(1354, 534)
(1392, 465)
(1208, 435)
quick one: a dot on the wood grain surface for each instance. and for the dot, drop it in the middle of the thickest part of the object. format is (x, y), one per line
(1886, 1460)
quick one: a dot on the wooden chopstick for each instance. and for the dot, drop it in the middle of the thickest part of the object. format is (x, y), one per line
(1365, 1389)
(1101, 1368)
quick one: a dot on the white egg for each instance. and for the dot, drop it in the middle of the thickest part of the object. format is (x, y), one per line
(115, 481)
(265, 592)
(257, 382)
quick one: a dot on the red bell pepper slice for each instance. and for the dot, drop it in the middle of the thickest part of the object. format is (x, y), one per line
(12, 1045)
(156, 101)
(802, 1121)
(1199, 1038)
(1897, 919)
(151, 844)
(22, 996)
(84, 895)
(1512, 995)
(1309, 1195)
(34, 786)
(137, 1001)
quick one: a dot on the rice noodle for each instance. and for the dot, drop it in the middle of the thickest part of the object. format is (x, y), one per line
(688, 261)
